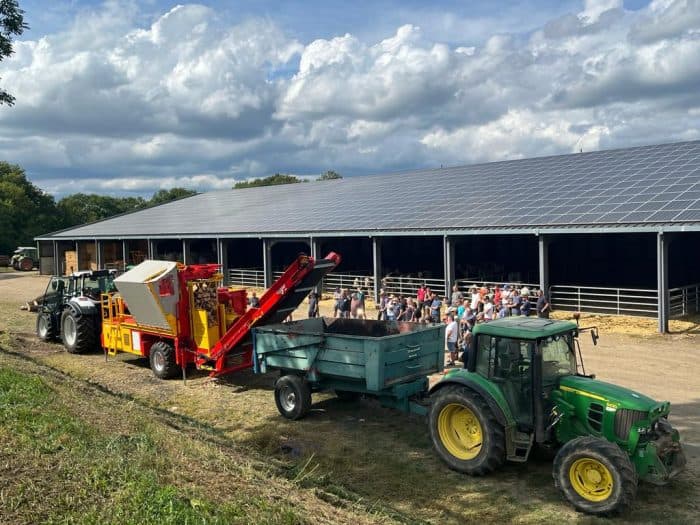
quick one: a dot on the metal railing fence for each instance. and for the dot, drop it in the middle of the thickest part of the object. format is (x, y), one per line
(596, 299)
(642, 302)
(684, 300)
(348, 280)
(251, 277)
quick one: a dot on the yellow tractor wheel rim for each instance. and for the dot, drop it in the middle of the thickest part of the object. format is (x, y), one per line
(591, 479)
(460, 431)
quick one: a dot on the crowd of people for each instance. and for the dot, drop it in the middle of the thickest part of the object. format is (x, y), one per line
(460, 311)
(480, 304)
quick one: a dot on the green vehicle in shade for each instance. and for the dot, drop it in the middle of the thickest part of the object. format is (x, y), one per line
(524, 386)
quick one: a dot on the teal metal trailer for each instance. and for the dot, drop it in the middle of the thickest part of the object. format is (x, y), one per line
(388, 360)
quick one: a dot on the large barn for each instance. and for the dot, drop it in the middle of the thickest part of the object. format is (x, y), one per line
(612, 231)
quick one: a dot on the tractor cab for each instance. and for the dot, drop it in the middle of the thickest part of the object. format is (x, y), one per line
(92, 284)
(525, 359)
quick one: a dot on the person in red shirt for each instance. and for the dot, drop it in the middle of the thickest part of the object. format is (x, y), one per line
(420, 294)
(497, 296)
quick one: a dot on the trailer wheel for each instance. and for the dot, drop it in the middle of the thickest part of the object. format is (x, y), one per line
(465, 433)
(78, 332)
(162, 359)
(45, 329)
(595, 475)
(292, 396)
(347, 395)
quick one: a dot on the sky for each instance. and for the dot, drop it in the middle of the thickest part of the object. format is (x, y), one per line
(125, 98)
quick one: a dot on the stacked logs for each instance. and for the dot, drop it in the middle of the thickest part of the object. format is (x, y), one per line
(205, 299)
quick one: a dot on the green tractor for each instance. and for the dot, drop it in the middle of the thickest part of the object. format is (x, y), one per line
(524, 386)
(70, 309)
(25, 258)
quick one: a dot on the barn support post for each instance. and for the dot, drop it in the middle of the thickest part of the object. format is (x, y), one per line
(448, 245)
(377, 265)
(222, 259)
(315, 245)
(151, 248)
(662, 242)
(267, 262)
(186, 254)
(56, 262)
(99, 256)
(543, 251)
(124, 256)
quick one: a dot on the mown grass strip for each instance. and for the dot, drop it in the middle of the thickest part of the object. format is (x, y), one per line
(87, 475)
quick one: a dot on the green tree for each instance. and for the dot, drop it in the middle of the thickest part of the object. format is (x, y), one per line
(163, 196)
(81, 208)
(272, 180)
(330, 175)
(11, 24)
(25, 210)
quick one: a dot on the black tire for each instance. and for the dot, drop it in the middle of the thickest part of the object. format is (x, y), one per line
(596, 476)
(26, 264)
(457, 406)
(78, 332)
(162, 359)
(292, 396)
(45, 329)
(347, 395)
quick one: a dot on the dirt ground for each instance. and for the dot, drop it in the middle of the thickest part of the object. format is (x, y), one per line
(665, 367)
(630, 352)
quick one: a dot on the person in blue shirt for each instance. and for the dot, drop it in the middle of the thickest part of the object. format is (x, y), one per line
(435, 304)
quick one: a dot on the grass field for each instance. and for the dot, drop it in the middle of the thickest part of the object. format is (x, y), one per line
(84, 441)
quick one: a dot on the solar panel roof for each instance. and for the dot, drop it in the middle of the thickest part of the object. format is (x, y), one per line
(639, 186)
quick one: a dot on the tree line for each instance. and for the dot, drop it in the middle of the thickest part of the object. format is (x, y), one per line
(27, 211)
(283, 178)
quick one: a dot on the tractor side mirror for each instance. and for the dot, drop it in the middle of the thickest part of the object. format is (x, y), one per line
(54, 284)
(594, 336)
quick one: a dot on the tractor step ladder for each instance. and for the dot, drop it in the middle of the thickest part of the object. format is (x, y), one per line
(112, 339)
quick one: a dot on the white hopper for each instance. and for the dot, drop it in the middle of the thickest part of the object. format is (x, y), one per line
(151, 291)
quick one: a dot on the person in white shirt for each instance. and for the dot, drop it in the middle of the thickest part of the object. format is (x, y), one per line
(488, 309)
(476, 299)
(451, 335)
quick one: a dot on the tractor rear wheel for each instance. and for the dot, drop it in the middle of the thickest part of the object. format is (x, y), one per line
(292, 396)
(26, 264)
(78, 332)
(162, 359)
(465, 432)
(45, 329)
(595, 475)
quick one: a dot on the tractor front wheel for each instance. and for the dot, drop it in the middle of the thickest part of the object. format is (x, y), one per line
(78, 332)
(162, 359)
(45, 329)
(292, 396)
(595, 475)
(465, 432)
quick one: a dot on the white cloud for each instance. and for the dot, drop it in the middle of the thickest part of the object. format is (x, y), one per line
(513, 134)
(190, 97)
(594, 8)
